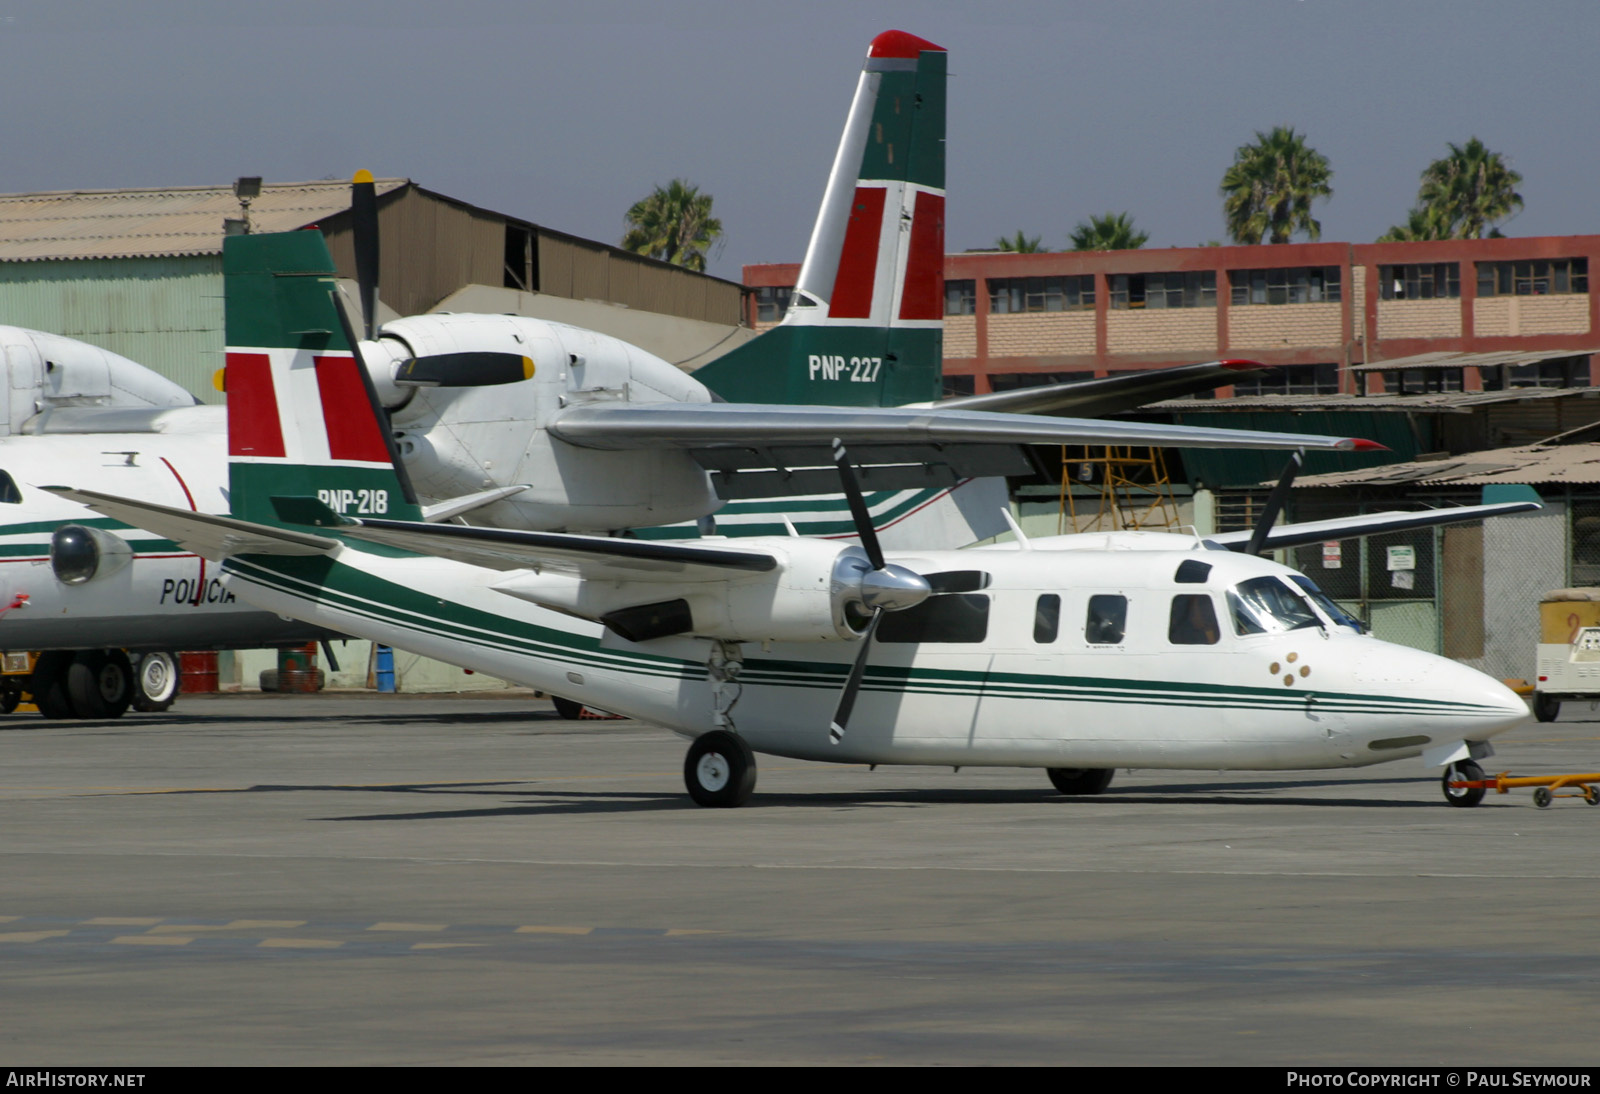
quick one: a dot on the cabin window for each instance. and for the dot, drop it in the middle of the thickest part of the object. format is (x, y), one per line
(949, 617)
(8, 489)
(1047, 618)
(1108, 620)
(1193, 621)
(1191, 571)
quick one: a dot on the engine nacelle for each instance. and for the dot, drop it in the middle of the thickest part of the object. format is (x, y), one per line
(79, 554)
(815, 594)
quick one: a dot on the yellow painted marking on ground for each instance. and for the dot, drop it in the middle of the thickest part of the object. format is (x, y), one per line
(445, 945)
(155, 939)
(263, 924)
(408, 926)
(184, 928)
(30, 936)
(554, 930)
(9, 918)
(124, 921)
(301, 943)
(676, 932)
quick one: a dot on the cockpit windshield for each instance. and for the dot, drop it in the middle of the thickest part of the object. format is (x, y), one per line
(1320, 599)
(1266, 605)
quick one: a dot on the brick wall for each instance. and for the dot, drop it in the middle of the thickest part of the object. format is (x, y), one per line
(1518, 315)
(1274, 326)
(1420, 318)
(1164, 330)
(961, 335)
(1036, 334)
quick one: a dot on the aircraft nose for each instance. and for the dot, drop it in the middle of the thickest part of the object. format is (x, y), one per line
(1480, 703)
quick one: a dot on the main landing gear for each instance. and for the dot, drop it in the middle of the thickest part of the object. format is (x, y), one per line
(101, 683)
(720, 770)
(1080, 780)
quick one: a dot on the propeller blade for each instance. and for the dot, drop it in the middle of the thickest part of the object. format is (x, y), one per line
(472, 369)
(957, 581)
(364, 234)
(1274, 505)
(858, 505)
(852, 683)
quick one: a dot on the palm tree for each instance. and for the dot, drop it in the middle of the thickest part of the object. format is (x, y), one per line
(673, 224)
(1422, 223)
(1269, 189)
(1469, 190)
(1111, 232)
(1020, 244)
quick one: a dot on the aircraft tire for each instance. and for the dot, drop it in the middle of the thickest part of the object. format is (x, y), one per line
(155, 684)
(48, 684)
(1542, 797)
(720, 770)
(1462, 797)
(1080, 780)
(568, 709)
(1545, 708)
(9, 699)
(100, 683)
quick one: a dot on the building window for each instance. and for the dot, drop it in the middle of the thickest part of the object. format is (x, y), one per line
(1421, 281)
(955, 386)
(1421, 381)
(1009, 295)
(1292, 285)
(1533, 277)
(961, 297)
(1292, 380)
(1195, 289)
(1553, 372)
(772, 301)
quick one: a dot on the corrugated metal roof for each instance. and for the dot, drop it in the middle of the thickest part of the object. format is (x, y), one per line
(1446, 359)
(1568, 463)
(1448, 402)
(184, 220)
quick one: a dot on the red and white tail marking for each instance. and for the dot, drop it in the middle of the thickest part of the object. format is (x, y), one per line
(302, 408)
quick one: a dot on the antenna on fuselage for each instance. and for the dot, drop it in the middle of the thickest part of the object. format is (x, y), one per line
(1016, 530)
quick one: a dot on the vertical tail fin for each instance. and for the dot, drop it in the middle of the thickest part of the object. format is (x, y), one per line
(865, 326)
(303, 420)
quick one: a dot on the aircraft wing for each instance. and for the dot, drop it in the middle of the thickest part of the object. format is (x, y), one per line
(1318, 531)
(1110, 394)
(760, 450)
(205, 534)
(600, 558)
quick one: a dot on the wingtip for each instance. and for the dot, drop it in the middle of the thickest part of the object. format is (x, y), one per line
(1359, 444)
(1238, 364)
(899, 43)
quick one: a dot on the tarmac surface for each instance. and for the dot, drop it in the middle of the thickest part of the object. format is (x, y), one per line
(344, 879)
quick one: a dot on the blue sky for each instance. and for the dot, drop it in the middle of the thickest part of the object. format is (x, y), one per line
(564, 114)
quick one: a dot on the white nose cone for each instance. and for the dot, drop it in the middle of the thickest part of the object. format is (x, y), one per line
(1441, 697)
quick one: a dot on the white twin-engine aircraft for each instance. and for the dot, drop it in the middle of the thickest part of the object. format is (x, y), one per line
(1077, 654)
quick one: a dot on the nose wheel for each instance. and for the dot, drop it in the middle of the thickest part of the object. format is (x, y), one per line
(1462, 797)
(720, 770)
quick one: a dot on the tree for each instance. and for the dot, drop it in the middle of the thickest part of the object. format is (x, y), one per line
(1111, 232)
(1269, 189)
(1020, 244)
(1468, 190)
(1421, 223)
(673, 224)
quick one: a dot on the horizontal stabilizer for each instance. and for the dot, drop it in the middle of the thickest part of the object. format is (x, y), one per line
(594, 557)
(205, 534)
(1319, 531)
